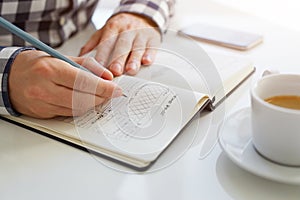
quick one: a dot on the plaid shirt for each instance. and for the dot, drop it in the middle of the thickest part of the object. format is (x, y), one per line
(54, 21)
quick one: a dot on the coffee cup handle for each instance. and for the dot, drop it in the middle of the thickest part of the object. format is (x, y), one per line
(270, 72)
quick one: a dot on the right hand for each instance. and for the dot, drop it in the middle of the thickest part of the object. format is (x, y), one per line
(43, 87)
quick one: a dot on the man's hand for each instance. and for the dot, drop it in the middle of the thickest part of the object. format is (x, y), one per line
(42, 86)
(124, 43)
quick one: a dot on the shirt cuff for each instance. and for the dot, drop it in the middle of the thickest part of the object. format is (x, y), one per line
(159, 11)
(7, 57)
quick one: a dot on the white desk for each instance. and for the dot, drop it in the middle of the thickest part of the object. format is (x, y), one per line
(36, 167)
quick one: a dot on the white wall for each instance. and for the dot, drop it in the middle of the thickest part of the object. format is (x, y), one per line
(283, 12)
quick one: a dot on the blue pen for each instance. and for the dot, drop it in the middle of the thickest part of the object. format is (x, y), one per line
(36, 43)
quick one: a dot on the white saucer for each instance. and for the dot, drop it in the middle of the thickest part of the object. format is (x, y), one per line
(235, 139)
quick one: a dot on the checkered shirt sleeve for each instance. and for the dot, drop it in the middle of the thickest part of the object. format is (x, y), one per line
(159, 11)
(51, 21)
(7, 56)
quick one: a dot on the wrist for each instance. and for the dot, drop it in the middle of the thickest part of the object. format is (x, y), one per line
(9, 54)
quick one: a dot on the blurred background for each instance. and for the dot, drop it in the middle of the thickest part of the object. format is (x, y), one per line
(285, 13)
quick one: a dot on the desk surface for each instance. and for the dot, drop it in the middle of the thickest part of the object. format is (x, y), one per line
(36, 167)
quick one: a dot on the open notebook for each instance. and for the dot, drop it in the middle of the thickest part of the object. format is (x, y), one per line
(160, 101)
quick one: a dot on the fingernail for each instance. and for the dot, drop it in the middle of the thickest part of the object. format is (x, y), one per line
(117, 68)
(117, 92)
(132, 68)
(107, 74)
(147, 59)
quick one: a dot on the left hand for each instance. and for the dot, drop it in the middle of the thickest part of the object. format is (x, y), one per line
(124, 43)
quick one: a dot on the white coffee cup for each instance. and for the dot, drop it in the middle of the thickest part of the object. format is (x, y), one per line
(275, 129)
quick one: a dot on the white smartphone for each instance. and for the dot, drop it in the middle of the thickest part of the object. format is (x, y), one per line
(223, 36)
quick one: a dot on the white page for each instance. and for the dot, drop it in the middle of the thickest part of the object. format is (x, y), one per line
(140, 125)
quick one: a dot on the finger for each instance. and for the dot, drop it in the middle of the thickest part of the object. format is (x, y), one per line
(149, 56)
(55, 110)
(66, 99)
(48, 110)
(121, 51)
(151, 51)
(82, 102)
(95, 67)
(91, 43)
(134, 61)
(44, 110)
(56, 95)
(77, 79)
(105, 47)
(96, 86)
